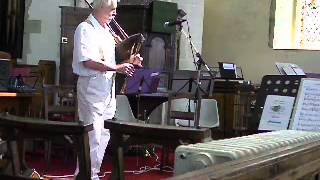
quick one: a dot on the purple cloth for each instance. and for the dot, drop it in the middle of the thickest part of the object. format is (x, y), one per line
(143, 81)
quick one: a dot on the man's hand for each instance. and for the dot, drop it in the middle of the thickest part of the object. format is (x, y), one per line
(125, 68)
(136, 59)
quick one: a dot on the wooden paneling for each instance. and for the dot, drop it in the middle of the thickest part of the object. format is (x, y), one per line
(70, 19)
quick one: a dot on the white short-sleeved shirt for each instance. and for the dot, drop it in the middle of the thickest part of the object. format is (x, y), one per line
(96, 90)
(92, 42)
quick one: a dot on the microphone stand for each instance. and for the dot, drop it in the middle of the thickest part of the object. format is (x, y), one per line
(199, 65)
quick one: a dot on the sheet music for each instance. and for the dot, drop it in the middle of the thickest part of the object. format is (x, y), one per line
(276, 113)
(306, 114)
(289, 69)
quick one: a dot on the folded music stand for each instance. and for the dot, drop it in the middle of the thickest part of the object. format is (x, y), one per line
(219, 75)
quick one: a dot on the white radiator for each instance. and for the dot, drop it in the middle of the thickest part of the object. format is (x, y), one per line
(197, 156)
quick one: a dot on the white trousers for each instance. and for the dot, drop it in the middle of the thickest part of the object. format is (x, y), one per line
(93, 109)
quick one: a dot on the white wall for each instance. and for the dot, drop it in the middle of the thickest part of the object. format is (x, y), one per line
(195, 14)
(43, 45)
(238, 31)
(42, 30)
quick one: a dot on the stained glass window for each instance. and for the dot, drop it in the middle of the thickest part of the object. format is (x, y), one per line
(297, 24)
(309, 35)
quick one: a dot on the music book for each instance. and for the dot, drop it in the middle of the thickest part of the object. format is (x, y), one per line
(276, 113)
(306, 113)
(289, 69)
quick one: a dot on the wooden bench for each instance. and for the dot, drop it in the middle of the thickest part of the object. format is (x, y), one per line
(145, 134)
(15, 128)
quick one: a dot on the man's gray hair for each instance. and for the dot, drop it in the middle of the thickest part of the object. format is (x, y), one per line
(104, 3)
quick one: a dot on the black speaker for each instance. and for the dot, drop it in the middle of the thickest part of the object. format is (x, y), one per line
(4, 74)
(149, 17)
(163, 12)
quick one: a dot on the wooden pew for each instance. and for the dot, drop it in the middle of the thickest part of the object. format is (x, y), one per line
(147, 133)
(15, 128)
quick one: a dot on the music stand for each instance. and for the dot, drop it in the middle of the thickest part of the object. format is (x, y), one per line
(185, 81)
(199, 64)
(283, 85)
(184, 84)
(143, 81)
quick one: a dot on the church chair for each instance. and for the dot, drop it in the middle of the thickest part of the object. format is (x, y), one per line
(126, 133)
(123, 110)
(59, 101)
(184, 115)
(124, 113)
(60, 104)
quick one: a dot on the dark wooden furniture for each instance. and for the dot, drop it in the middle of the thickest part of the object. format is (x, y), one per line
(16, 103)
(70, 18)
(19, 104)
(299, 162)
(4, 176)
(15, 128)
(59, 105)
(28, 100)
(47, 69)
(168, 136)
(5, 55)
(12, 26)
(65, 104)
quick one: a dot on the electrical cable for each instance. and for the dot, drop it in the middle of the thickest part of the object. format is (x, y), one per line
(141, 170)
(191, 47)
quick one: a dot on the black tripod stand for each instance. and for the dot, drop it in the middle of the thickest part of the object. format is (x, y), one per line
(199, 63)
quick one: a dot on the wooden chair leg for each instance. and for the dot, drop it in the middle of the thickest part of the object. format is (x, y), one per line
(117, 157)
(83, 151)
(163, 161)
(47, 153)
(13, 149)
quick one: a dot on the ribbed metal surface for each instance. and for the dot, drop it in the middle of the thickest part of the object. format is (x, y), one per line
(197, 156)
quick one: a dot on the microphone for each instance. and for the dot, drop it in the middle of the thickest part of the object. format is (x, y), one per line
(173, 23)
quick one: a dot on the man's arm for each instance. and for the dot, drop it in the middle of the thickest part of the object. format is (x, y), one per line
(97, 66)
(124, 68)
